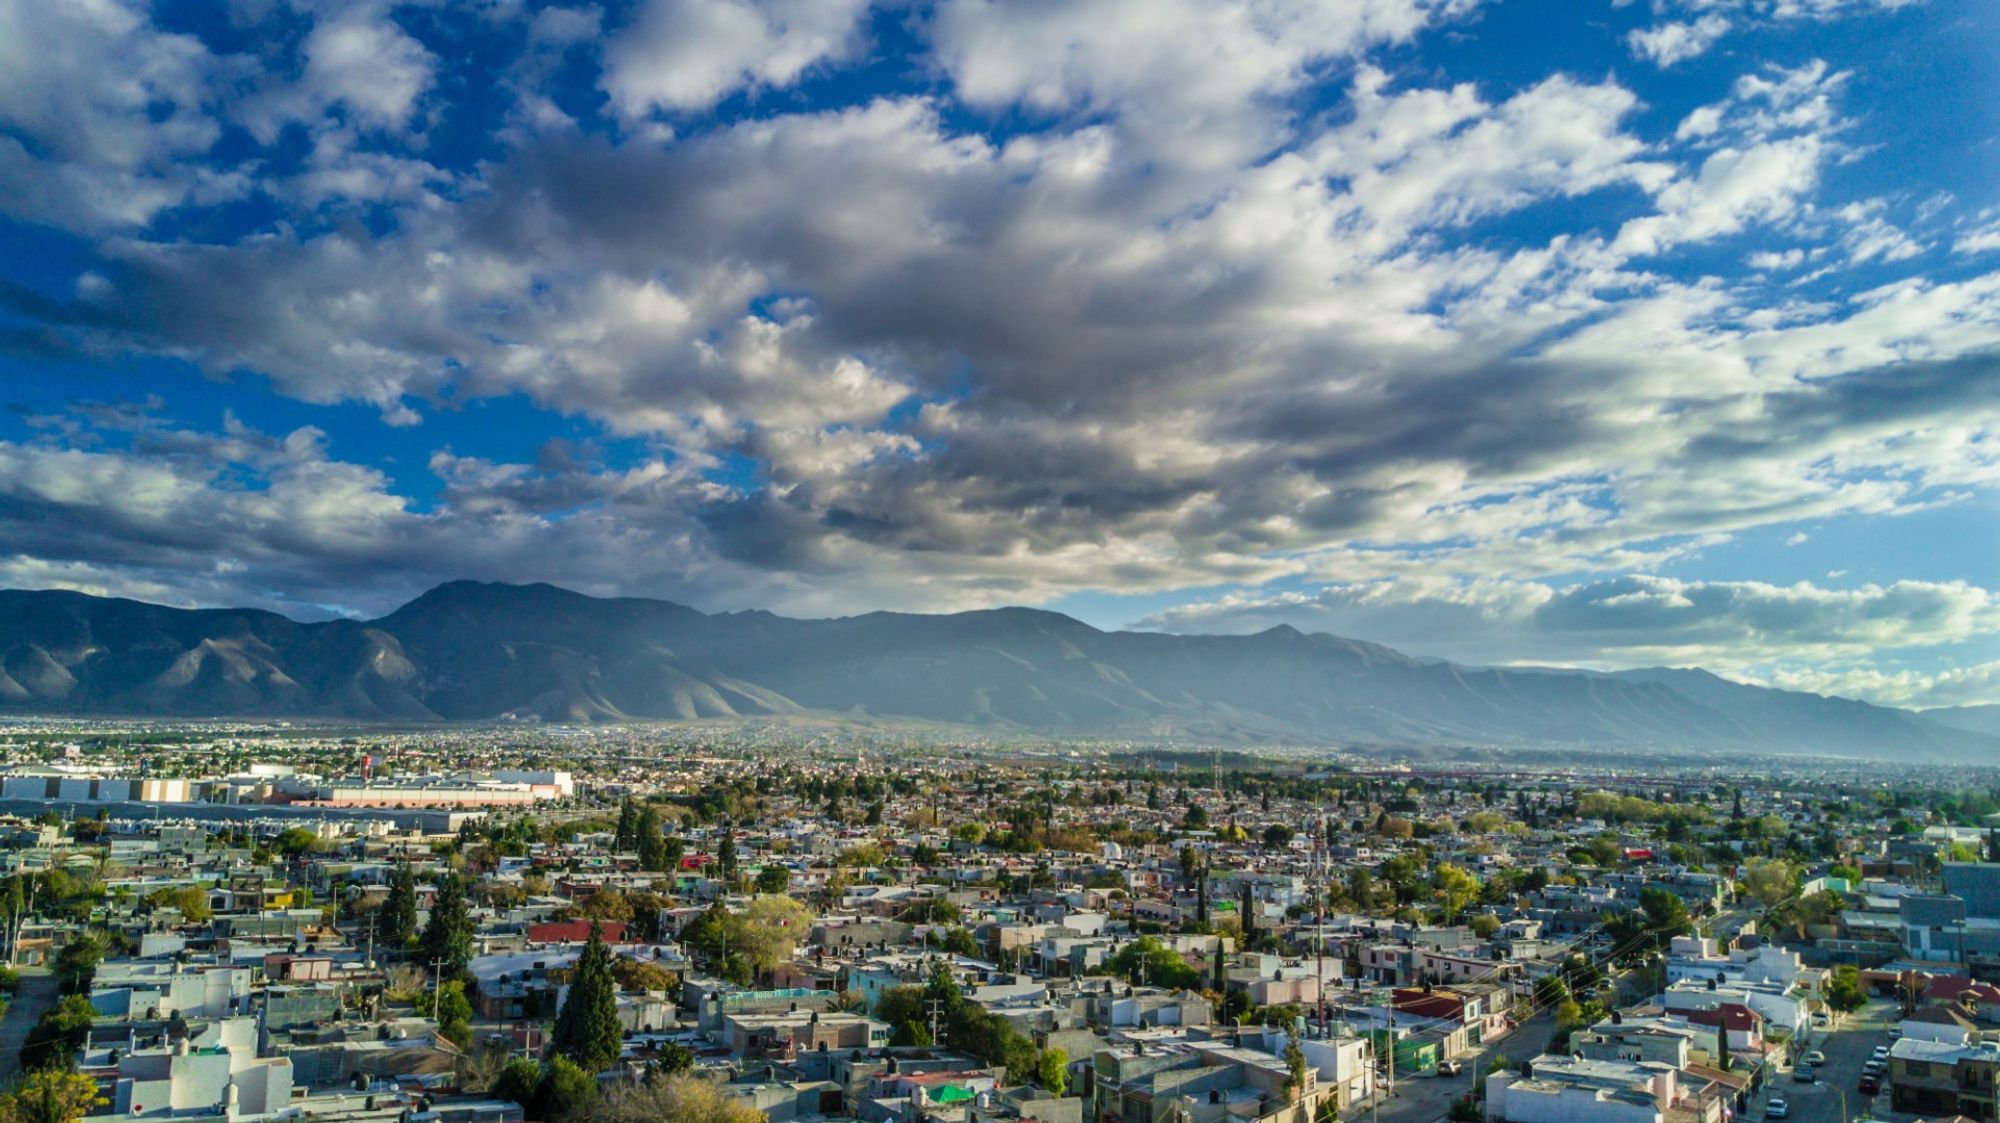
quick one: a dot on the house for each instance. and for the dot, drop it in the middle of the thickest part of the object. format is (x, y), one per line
(1940, 1078)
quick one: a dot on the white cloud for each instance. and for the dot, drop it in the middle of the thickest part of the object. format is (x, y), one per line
(689, 54)
(1751, 629)
(1669, 43)
(112, 109)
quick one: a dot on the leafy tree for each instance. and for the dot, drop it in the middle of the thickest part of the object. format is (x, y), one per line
(55, 1038)
(454, 1014)
(897, 1005)
(1295, 1067)
(76, 964)
(587, 1031)
(1454, 888)
(294, 842)
(682, 1098)
(770, 928)
(517, 1081)
(50, 1096)
(1052, 1071)
(191, 901)
(959, 940)
(564, 1092)
(637, 974)
(1277, 836)
(673, 1059)
(1844, 992)
(448, 938)
(1148, 961)
(773, 878)
(398, 918)
(1770, 882)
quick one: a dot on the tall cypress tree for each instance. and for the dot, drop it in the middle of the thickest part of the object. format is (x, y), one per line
(587, 1030)
(398, 918)
(628, 826)
(447, 940)
(725, 853)
(1249, 916)
(652, 854)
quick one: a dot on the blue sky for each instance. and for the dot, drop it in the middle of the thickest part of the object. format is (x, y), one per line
(1611, 333)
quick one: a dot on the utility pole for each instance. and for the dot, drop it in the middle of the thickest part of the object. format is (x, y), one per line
(1319, 914)
(437, 983)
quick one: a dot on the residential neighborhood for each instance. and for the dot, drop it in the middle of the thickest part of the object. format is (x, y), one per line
(575, 926)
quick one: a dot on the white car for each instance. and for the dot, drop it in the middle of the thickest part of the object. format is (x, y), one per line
(1777, 1109)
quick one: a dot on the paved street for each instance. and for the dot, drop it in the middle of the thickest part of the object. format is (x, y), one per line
(1424, 1099)
(37, 994)
(1847, 1048)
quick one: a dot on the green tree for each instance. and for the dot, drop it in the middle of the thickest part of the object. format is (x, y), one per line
(1052, 1071)
(1770, 882)
(76, 964)
(770, 929)
(397, 920)
(650, 844)
(1844, 992)
(454, 1014)
(1453, 888)
(564, 1092)
(59, 1033)
(50, 1096)
(725, 853)
(517, 1081)
(1148, 961)
(448, 938)
(626, 837)
(191, 901)
(1295, 1068)
(587, 1031)
(773, 878)
(294, 842)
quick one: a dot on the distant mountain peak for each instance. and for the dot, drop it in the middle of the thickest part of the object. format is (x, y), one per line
(475, 650)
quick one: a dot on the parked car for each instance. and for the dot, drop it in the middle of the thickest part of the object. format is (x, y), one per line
(1895, 1033)
(1881, 1053)
(1874, 1068)
(1815, 1058)
(1803, 1074)
(1870, 1084)
(1777, 1109)
(1449, 1068)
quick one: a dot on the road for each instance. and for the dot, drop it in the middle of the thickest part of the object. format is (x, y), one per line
(1425, 1099)
(1847, 1047)
(37, 994)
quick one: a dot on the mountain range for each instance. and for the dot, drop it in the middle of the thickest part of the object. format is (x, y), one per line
(470, 651)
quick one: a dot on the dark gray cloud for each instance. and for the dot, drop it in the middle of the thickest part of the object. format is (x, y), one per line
(1176, 335)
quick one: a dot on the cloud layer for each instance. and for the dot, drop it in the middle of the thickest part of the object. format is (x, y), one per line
(967, 303)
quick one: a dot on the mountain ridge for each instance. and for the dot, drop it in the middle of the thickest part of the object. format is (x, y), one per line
(468, 650)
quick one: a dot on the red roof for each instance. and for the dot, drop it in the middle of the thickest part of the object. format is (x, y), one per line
(1957, 987)
(1738, 1017)
(575, 932)
(1435, 1004)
